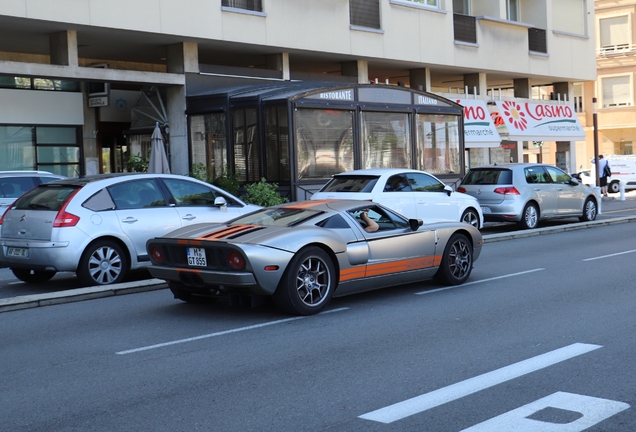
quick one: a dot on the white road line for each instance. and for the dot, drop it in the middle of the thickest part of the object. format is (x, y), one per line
(458, 390)
(221, 333)
(479, 281)
(611, 255)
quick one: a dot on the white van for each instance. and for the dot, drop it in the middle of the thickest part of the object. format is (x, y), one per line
(623, 169)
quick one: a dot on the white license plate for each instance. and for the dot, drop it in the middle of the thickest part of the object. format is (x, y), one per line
(485, 209)
(196, 257)
(18, 252)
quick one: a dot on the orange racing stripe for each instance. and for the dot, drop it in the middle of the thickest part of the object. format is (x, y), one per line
(385, 268)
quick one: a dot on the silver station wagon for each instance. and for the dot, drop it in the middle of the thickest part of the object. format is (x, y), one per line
(527, 193)
(97, 226)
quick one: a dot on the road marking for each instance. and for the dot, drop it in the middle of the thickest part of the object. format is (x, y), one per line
(610, 255)
(221, 333)
(479, 281)
(458, 390)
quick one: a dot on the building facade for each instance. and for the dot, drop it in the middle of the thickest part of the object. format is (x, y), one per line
(614, 84)
(82, 84)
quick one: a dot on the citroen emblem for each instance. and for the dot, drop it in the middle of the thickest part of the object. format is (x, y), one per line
(23, 218)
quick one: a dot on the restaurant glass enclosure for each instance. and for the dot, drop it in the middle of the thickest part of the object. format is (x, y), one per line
(299, 134)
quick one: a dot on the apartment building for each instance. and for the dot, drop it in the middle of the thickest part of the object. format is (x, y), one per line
(614, 84)
(293, 91)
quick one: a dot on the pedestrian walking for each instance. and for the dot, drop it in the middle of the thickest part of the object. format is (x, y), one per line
(604, 172)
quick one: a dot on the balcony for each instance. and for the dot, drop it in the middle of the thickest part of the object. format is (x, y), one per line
(537, 41)
(251, 5)
(465, 27)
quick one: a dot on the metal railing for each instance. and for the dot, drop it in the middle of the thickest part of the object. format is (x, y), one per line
(615, 50)
(465, 27)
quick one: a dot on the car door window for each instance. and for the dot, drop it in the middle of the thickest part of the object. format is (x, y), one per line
(397, 183)
(191, 194)
(15, 187)
(557, 175)
(137, 194)
(536, 175)
(424, 183)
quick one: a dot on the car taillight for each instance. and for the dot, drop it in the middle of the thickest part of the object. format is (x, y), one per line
(156, 254)
(507, 191)
(235, 260)
(461, 189)
(64, 218)
(5, 212)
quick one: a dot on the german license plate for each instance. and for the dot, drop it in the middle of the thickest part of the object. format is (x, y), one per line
(196, 257)
(18, 252)
(485, 209)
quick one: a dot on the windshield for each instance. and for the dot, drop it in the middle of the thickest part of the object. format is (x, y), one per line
(282, 217)
(350, 183)
(45, 198)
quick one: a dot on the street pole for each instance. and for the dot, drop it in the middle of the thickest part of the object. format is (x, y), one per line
(595, 123)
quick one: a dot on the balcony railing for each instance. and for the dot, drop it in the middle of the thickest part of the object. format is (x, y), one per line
(365, 13)
(465, 27)
(251, 5)
(537, 40)
(615, 50)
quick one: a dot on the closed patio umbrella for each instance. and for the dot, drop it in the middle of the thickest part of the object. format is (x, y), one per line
(158, 163)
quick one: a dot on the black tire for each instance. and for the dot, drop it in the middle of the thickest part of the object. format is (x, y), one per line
(529, 217)
(613, 187)
(33, 276)
(308, 283)
(589, 210)
(102, 263)
(471, 217)
(457, 261)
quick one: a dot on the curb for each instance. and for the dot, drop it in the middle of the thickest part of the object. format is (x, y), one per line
(89, 293)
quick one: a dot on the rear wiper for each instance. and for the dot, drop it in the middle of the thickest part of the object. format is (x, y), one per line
(39, 206)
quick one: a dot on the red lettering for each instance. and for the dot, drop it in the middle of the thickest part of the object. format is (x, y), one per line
(541, 111)
(476, 113)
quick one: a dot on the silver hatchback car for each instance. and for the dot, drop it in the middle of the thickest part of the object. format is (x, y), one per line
(98, 226)
(527, 193)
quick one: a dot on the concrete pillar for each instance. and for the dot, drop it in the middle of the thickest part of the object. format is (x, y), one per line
(566, 92)
(563, 91)
(181, 58)
(476, 81)
(522, 88)
(420, 79)
(63, 48)
(279, 62)
(89, 136)
(358, 68)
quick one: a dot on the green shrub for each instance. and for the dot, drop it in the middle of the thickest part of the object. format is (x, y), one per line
(138, 163)
(263, 194)
(200, 172)
(228, 181)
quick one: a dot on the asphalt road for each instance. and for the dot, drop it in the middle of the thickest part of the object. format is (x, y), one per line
(541, 335)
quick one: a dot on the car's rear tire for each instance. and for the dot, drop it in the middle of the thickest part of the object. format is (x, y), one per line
(613, 187)
(33, 276)
(471, 216)
(457, 261)
(307, 284)
(589, 210)
(529, 217)
(102, 263)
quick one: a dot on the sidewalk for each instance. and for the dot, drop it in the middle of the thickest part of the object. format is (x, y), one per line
(609, 205)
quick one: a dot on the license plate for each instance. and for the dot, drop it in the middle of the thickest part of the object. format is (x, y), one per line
(485, 209)
(18, 252)
(196, 257)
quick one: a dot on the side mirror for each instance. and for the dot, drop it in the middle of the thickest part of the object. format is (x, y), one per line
(415, 224)
(220, 202)
(448, 190)
(574, 181)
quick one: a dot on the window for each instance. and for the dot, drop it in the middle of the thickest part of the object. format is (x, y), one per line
(461, 7)
(569, 16)
(424, 183)
(465, 28)
(438, 144)
(209, 144)
(137, 194)
(614, 33)
(277, 144)
(365, 13)
(324, 140)
(616, 91)
(386, 140)
(512, 10)
(433, 3)
(247, 158)
(537, 40)
(252, 5)
(578, 98)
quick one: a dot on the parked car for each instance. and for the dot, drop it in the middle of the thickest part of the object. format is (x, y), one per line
(585, 177)
(301, 254)
(412, 193)
(15, 183)
(97, 226)
(527, 193)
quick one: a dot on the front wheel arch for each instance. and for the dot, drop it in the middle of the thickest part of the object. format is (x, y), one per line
(82, 271)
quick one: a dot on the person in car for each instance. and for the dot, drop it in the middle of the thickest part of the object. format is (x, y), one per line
(371, 225)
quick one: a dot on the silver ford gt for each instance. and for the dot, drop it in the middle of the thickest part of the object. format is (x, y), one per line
(302, 254)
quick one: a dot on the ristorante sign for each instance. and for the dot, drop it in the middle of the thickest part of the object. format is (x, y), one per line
(479, 129)
(527, 121)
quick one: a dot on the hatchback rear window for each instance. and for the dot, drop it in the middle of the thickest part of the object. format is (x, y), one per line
(45, 198)
(488, 176)
(350, 183)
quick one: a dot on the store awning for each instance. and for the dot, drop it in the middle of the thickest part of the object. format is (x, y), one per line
(479, 129)
(526, 121)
